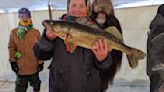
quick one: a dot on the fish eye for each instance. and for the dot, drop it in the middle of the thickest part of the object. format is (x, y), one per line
(57, 27)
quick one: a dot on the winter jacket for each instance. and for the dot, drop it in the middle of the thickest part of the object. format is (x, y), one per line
(27, 63)
(71, 72)
(155, 45)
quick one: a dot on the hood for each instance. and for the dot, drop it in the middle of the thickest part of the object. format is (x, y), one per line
(158, 20)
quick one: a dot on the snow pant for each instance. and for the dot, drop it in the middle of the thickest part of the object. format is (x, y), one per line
(22, 82)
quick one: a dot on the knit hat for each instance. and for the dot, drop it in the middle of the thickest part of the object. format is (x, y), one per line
(161, 10)
(24, 11)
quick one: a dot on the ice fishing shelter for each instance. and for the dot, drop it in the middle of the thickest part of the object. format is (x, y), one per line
(134, 17)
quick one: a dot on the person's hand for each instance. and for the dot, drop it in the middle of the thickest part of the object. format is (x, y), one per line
(49, 33)
(40, 67)
(14, 67)
(101, 49)
(161, 90)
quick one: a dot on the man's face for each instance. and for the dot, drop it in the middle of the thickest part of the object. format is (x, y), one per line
(24, 17)
(77, 8)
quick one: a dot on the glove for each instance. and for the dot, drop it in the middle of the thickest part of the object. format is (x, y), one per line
(40, 67)
(14, 67)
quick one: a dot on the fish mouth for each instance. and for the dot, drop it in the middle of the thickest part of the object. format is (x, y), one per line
(47, 23)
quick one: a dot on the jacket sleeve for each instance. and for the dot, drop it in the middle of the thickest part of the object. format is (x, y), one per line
(157, 52)
(40, 61)
(12, 47)
(104, 64)
(44, 48)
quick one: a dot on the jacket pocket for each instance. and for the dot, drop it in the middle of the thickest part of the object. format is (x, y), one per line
(60, 77)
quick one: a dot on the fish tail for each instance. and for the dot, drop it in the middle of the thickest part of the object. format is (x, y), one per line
(134, 56)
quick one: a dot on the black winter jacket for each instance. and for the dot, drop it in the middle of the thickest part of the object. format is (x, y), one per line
(71, 72)
(155, 45)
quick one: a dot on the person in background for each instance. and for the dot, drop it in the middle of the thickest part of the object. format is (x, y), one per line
(77, 71)
(63, 16)
(155, 52)
(21, 56)
(105, 19)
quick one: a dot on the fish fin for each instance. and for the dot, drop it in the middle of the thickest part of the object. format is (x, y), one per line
(67, 42)
(70, 47)
(67, 46)
(133, 63)
(114, 31)
(134, 56)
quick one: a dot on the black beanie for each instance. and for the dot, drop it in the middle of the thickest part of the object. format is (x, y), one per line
(161, 10)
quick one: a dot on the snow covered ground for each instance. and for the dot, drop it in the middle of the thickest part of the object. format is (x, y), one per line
(120, 85)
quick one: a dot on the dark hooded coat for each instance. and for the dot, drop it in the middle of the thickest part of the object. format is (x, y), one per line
(71, 72)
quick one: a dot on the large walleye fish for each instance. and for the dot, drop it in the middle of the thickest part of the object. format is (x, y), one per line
(81, 35)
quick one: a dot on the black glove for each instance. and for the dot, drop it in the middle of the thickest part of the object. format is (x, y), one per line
(14, 67)
(40, 67)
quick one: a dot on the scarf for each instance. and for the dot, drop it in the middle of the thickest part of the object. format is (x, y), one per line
(23, 27)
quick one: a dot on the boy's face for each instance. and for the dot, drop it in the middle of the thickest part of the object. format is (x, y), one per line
(24, 17)
(77, 8)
